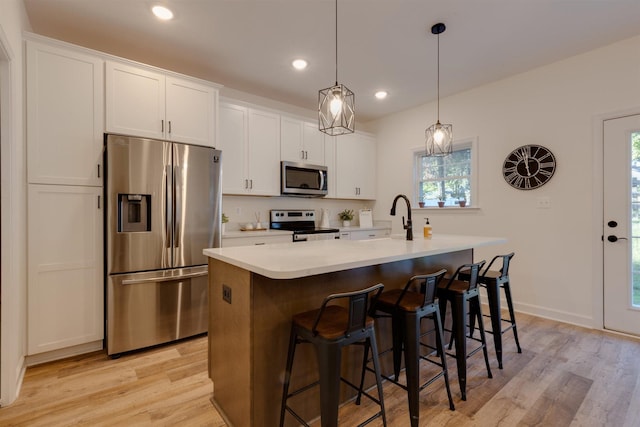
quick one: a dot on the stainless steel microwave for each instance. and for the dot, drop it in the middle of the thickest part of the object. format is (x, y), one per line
(301, 179)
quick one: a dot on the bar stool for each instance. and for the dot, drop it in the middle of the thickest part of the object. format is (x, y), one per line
(493, 280)
(464, 295)
(329, 329)
(407, 308)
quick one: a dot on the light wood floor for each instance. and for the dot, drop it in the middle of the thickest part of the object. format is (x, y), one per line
(566, 376)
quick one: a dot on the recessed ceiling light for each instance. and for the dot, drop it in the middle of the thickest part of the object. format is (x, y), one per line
(381, 94)
(299, 64)
(162, 12)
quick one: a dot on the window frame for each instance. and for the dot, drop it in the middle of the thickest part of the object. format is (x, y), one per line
(459, 144)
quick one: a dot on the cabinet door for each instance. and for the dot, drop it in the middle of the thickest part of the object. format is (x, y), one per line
(65, 282)
(355, 166)
(368, 167)
(190, 112)
(135, 100)
(264, 153)
(330, 162)
(313, 145)
(370, 234)
(291, 148)
(348, 164)
(64, 116)
(232, 133)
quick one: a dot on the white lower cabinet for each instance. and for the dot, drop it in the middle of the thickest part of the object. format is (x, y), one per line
(251, 240)
(365, 234)
(65, 283)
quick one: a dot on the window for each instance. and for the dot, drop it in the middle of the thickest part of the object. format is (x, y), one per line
(447, 179)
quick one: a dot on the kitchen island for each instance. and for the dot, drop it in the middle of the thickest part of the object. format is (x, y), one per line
(254, 292)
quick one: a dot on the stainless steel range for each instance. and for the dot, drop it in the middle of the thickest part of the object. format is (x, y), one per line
(303, 225)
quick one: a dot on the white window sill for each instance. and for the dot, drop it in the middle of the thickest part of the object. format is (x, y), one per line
(448, 208)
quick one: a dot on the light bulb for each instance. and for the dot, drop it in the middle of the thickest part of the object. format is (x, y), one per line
(162, 12)
(438, 135)
(335, 106)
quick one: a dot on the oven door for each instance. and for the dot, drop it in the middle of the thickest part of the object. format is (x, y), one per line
(300, 179)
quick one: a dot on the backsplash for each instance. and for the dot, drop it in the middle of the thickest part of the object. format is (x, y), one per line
(242, 210)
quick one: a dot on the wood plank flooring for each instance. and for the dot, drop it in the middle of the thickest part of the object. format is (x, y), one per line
(566, 376)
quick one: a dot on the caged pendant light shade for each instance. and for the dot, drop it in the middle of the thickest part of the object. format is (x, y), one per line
(336, 104)
(439, 137)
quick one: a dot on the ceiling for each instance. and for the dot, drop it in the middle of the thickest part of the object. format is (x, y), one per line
(248, 45)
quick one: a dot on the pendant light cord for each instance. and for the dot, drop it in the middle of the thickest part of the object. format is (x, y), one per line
(336, 42)
(438, 78)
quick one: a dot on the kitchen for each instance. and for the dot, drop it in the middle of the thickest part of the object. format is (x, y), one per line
(549, 94)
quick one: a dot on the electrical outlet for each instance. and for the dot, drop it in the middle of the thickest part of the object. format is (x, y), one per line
(238, 211)
(543, 203)
(226, 293)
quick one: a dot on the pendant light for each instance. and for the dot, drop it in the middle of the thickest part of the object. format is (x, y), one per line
(336, 104)
(439, 137)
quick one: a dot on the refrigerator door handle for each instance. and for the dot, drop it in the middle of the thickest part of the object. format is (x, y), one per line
(177, 207)
(169, 204)
(163, 278)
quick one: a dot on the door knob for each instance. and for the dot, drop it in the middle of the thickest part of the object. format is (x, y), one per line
(613, 238)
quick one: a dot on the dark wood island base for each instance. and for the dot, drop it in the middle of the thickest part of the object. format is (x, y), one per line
(248, 336)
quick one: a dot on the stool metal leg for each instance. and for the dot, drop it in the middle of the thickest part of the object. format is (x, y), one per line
(365, 359)
(376, 366)
(507, 294)
(398, 335)
(493, 296)
(329, 357)
(458, 310)
(412, 365)
(483, 337)
(443, 357)
(287, 373)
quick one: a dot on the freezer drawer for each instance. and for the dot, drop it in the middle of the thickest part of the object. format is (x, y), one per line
(145, 309)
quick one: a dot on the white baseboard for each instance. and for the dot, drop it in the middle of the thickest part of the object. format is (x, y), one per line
(63, 353)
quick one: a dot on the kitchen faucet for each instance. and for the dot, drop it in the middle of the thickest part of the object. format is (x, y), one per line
(406, 226)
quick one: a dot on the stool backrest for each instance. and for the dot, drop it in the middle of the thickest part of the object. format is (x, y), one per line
(474, 273)
(504, 270)
(428, 284)
(358, 305)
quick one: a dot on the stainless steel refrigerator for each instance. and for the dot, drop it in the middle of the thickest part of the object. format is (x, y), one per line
(163, 208)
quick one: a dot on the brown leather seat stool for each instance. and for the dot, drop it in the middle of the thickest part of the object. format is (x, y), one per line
(329, 329)
(464, 297)
(407, 308)
(493, 281)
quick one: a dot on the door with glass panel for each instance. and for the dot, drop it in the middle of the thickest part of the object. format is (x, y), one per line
(621, 233)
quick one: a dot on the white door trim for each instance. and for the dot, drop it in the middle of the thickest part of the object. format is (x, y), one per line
(597, 267)
(8, 384)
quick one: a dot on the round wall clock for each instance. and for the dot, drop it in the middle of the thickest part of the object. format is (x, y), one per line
(529, 167)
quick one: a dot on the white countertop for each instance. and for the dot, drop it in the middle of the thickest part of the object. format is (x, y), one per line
(293, 260)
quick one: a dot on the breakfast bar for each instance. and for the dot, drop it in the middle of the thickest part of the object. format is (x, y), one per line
(254, 292)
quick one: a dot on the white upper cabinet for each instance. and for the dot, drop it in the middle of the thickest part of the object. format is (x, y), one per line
(355, 166)
(250, 142)
(64, 116)
(146, 103)
(190, 111)
(330, 163)
(301, 142)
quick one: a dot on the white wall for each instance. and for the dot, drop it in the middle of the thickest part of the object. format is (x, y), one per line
(14, 282)
(554, 106)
